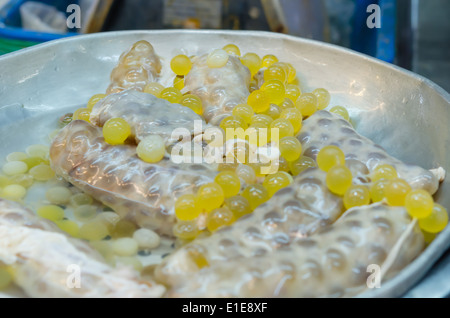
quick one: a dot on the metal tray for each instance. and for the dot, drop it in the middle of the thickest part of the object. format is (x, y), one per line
(404, 112)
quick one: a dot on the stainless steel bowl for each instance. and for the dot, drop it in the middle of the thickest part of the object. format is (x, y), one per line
(404, 112)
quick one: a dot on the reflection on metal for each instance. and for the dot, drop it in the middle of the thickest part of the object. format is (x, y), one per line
(436, 284)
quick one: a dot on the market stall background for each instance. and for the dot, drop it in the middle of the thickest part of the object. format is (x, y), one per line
(415, 34)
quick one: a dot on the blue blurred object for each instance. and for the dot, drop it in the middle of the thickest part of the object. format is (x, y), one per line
(11, 23)
(380, 43)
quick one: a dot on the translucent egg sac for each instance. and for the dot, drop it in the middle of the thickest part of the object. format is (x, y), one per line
(301, 164)
(217, 58)
(181, 65)
(307, 104)
(356, 195)
(396, 192)
(232, 49)
(323, 98)
(219, 218)
(290, 148)
(341, 111)
(275, 90)
(275, 182)
(330, 156)
(151, 149)
(187, 208)
(256, 195)
(210, 196)
(419, 203)
(259, 101)
(436, 221)
(339, 179)
(230, 183)
(193, 102)
(116, 131)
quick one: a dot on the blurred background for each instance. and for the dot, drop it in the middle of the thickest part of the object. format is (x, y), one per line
(414, 34)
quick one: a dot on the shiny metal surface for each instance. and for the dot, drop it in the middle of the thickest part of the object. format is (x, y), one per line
(405, 113)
